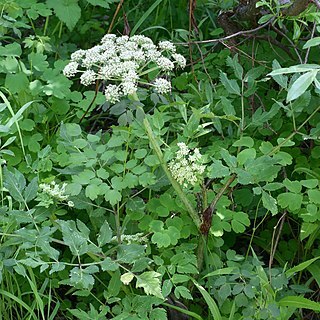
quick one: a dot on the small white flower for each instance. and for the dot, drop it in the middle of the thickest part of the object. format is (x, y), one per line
(70, 69)
(112, 93)
(128, 87)
(88, 77)
(162, 86)
(108, 37)
(124, 62)
(183, 150)
(131, 238)
(127, 55)
(55, 190)
(186, 168)
(180, 60)
(141, 40)
(140, 57)
(70, 204)
(92, 57)
(78, 55)
(167, 46)
(122, 40)
(165, 64)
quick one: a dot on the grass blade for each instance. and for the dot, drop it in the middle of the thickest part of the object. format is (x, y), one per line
(144, 17)
(213, 307)
(299, 302)
(18, 301)
(300, 267)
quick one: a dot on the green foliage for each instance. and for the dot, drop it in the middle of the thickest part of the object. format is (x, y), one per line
(93, 224)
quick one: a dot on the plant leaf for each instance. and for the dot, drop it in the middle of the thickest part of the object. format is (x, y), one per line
(300, 86)
(231, 85)
(213, 307)
(299, 302)
(68, 11)
(150, 283)
(312, 43)
(105, 234)
(301, 267)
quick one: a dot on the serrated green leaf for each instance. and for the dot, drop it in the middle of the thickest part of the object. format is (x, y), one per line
(280, 79)
(76, 241)
(300, 267)
(260, 117)
(292, 186)
(218, 170)
(314, 196)
(310, 183)
(161, 239)
(245, 155)
(150, 283)
(105, 234)
(299, 302)
(231, 85)
(229, 159)
(68, 11)
(30, 192)
(158, 314)
(113, 196)
(102, 3)
(15, 183)
(240, 221)
(182, 292)
(225, 291)
(236, 66)
(130, 253)
(109, 265)
(17, 82)
(82, 278)
(290, 200)
(92, 191)
(269, 202)
(307, 229)
(11, 49)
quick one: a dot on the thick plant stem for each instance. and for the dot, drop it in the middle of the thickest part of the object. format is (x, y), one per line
(208, 212)
(155, 146)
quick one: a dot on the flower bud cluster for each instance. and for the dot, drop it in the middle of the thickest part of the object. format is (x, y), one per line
(122, 62)
(56, 191)
(131, 238)
(187, 167)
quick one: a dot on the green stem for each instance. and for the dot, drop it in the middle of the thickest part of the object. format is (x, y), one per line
(221, 192)
(242, 109)
(46, 26)
(118, 224)
(155, 146)
(277, 148)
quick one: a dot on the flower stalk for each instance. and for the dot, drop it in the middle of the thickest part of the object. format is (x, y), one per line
(176, 186)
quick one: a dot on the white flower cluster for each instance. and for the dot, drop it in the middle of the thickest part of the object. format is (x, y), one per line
(186, 168)
(122, 62)
(56, 191)
(131, 238)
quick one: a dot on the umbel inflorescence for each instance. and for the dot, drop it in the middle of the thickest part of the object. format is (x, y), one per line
(187, 167)
(123, 63)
